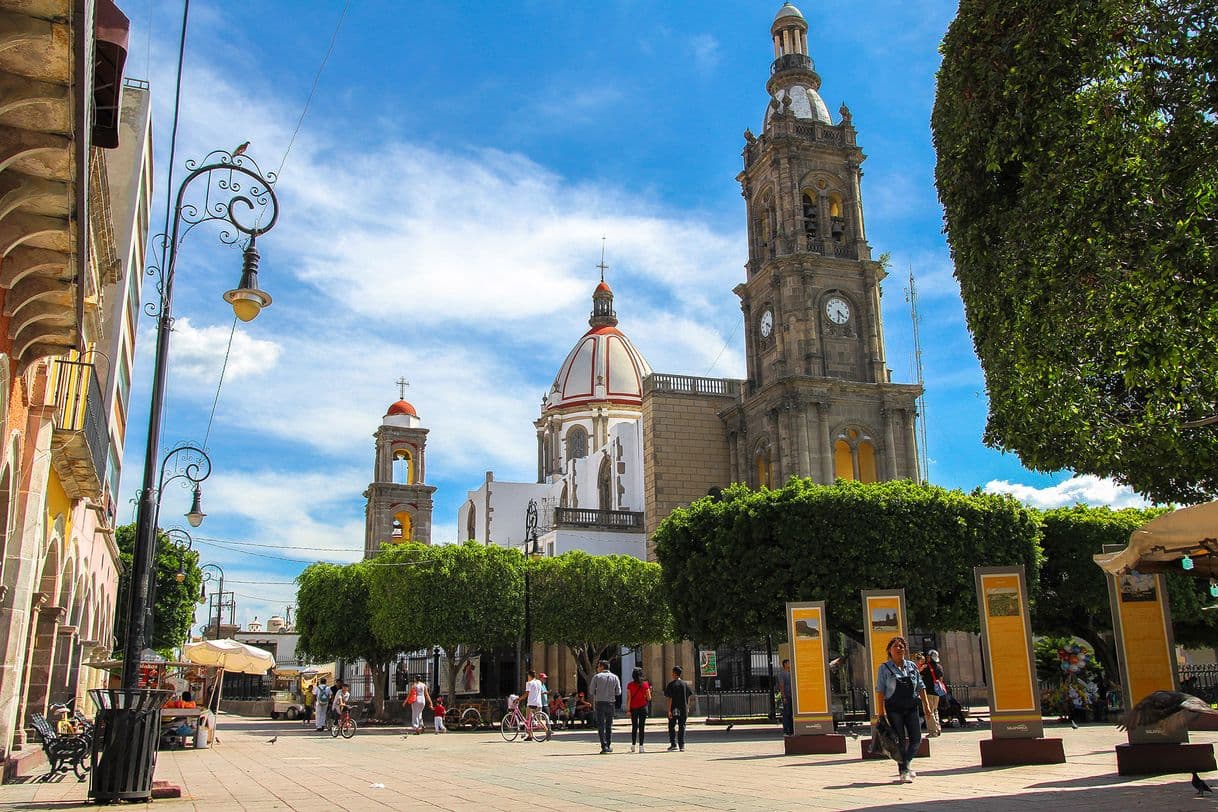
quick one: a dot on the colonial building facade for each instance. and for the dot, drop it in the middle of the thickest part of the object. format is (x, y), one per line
(75, 188)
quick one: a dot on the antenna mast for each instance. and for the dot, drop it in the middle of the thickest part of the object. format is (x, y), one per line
(911, 296)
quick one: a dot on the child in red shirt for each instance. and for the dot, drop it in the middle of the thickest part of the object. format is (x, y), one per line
(438, 708)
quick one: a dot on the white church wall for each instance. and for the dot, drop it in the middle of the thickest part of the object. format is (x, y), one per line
(509, 502)
(594, 542)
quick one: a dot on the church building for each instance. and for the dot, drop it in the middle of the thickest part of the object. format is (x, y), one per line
(620, 446)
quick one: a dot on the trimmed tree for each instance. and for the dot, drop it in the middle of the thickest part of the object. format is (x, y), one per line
(466, 598)
(730, 566)
(1074, 591)
(173, 610)
(593, 603)
(1076, 146)
(334, 619)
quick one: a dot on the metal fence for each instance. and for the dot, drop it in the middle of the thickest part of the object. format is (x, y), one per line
(1201, 681)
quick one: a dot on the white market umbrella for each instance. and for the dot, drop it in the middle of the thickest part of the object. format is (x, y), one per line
(228, 655)
(1160, 544)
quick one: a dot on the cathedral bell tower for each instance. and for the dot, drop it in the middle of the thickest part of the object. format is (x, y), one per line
(399, 503)
(818, 400)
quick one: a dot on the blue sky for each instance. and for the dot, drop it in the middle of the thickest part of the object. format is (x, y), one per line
(442, 212)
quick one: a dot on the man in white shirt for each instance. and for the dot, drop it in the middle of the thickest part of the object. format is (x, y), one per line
(322, 701)
(342, 699)
(533, 690)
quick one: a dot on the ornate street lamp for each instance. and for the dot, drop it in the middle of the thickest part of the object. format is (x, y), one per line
(533, 550)
(207, 576)
(240, 195)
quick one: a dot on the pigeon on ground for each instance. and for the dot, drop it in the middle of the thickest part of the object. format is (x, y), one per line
(241, 149)
(729, 727)
(1073, 725)
(854, 734)
(1200, 785)
(1169, 711)
(272, 740)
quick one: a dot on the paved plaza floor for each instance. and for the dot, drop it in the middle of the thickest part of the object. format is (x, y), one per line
(743, 768)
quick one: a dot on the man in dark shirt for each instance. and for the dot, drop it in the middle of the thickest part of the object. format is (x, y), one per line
(783, 678)
(679, 694)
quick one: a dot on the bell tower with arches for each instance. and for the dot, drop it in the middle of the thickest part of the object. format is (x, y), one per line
(818, 401)
(399, 502)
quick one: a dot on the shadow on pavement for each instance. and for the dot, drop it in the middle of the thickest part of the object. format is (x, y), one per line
(1150, 797)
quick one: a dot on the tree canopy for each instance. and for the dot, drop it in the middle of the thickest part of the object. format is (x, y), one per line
(334, 619)
(592, 603)
(173, 610)
(467, 598)
(730, 566)
(1076, 146)
(1074, 591)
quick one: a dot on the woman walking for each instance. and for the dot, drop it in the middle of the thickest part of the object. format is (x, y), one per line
(639, 691)
(417, 697)
(899, 693)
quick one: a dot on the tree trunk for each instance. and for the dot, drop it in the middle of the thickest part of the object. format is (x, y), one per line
(380, 679)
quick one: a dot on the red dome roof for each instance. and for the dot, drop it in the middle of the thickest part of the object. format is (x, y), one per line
(401, 407)
(603, 286)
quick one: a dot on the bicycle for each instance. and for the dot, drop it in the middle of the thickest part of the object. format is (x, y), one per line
(343, 724)
(535, 729)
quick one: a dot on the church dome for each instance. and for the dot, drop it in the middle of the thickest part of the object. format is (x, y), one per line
(401, 407)
(787, 10)
(603, 366)
(806, 103)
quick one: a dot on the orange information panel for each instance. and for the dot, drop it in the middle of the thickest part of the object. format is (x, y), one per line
(1006, 636)
(883, 619)
(809, 667)
(1142, 623)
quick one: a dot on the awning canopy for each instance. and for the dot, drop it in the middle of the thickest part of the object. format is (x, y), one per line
(1160, 544)
(229, 655)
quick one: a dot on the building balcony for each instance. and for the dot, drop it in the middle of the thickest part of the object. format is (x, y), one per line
(626, 521)
(79, 439)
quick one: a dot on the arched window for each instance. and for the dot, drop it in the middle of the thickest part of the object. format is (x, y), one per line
(811, 216)
(577, 443)
(403, 467)
(837, 221)
(471, 522)
(604, 485)
(403, 527)
(854, 457)
(564, 498)
(763, 466)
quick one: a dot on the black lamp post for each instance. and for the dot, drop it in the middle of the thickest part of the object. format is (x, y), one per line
(435, 670)
(238, 194)
(533, 550)
(207, 576)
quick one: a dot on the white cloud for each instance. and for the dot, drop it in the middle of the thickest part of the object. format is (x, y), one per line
(1079, 489)
(704, 49)
(198, 352)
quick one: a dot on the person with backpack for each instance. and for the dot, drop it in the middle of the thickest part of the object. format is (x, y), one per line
(932, 678)
(679, 695)
(639, 691)
(321, 699)
(899, 692)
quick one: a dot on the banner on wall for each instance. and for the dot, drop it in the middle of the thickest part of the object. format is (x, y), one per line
(1141, 620)
(708, 663)
(883, 619)
(810, 687)
(1006, 641)
(469, 677)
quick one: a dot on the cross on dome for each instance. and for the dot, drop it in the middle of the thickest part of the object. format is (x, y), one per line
(402, 386)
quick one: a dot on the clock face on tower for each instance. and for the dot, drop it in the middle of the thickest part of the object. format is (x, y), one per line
(767, 323)
(838, 310)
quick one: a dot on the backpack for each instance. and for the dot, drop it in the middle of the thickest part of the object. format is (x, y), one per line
(413, 695)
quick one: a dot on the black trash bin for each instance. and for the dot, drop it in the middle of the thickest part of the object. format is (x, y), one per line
(124, 743)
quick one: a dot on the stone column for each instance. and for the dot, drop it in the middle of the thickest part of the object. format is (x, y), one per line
(733, 456)
(777, 447)
(911, 445)
(805, 445)
(786, 441)
(826, 443)
(890, 443)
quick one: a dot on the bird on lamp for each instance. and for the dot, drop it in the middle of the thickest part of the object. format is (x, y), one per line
(1169, 711)
(241, 149)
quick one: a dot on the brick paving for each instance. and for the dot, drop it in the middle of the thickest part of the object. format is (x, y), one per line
(721, 770)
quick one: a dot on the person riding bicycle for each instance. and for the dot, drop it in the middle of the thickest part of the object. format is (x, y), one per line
(534, 690)
(341, 702)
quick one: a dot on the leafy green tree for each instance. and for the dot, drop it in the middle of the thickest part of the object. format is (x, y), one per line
(730, 566)
(334, 619)
(1076, 146)
(173, 610)
(1074, 591)
(593, 603)
(466, 598)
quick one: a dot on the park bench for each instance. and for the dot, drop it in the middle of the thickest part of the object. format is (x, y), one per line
(63, 752)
